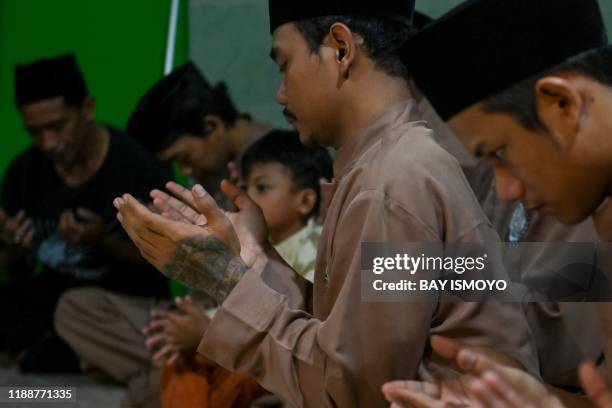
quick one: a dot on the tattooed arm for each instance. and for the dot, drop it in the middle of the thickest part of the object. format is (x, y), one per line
(205, 263)
(199, 248)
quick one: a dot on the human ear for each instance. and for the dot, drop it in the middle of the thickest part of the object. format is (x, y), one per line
(306, 201)
(344, 44)
(88, 108)
(213, 128)
(560, 108)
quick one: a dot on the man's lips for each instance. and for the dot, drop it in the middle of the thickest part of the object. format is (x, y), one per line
(535, 207)
(290, 117)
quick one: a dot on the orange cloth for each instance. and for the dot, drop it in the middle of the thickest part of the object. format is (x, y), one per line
(198, 382)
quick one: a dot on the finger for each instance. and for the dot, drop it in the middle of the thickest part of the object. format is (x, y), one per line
(207, 206)
(86, 214)
(158, 325)
(159, 314)
(167, 203)
(29, 238)
(165, 352)
(156, 341)
(483, 393)
(181, 193)
(19, 217)
(187, 306)
(445, 347)
(22, 231)
(173, 358)
(238, 196)
(73, 224)
(594, 385)
(233, 171)
(174, 319)
(503, 390)
(62, 225)
(12, 224)
(146, 248)
(118, 202)
(474, 363)
(409, 398)
(424, 387)
(143, 222)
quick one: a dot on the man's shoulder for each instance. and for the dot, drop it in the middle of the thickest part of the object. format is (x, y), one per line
(413, 155)
(25, 161)
(134, 161)
(123, 142)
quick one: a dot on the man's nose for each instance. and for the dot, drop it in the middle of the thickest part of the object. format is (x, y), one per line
(48, 141)
(281, 95)
(507, 186)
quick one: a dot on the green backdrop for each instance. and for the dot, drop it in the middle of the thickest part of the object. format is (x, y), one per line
(120, 46)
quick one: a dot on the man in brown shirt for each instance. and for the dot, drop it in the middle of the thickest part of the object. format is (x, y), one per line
(341, 88)
(563, 336)
(537, 107)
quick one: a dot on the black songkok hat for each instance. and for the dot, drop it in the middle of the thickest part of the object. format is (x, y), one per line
(421, 20)
(175, 105)
(286, 11)
(482, 47)
(50, 78)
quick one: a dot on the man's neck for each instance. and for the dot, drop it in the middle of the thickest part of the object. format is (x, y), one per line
(238, 136)
(89, 160)
(377, 93)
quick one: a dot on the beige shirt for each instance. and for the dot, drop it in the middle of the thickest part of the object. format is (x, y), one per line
(300, 249)
(565, 333)
(392, 183)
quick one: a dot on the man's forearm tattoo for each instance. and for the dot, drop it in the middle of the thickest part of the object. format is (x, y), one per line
(206, 264)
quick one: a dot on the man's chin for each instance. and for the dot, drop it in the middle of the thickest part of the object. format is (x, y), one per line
(567, 217)
(307, 139)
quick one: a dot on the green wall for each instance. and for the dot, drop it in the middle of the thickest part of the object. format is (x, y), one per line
(120, 46)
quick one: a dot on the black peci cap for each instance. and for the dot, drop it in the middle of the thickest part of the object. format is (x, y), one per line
(175, 105)
(421, 20)
(482, 47)
(286, 11)
(50, 78)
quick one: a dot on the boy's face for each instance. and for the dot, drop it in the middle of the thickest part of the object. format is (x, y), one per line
(271, 187)
(307, 89)
(544, 172)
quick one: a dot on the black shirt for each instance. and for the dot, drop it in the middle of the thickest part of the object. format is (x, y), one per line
(32, 184)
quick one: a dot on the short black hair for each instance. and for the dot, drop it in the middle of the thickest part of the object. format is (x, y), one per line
(382, 36)
(518, 101)
(307, 165)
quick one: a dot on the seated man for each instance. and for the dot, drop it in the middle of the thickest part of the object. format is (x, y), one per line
(182, 119)
(343, 86)
(57, 209)
(282, 176)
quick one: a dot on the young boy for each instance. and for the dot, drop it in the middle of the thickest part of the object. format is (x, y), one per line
(283, 177)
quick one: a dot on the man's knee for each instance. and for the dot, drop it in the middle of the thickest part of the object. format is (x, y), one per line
(74, 305)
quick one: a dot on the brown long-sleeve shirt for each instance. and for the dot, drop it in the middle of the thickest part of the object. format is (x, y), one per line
(392, 183)
(565, 333)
